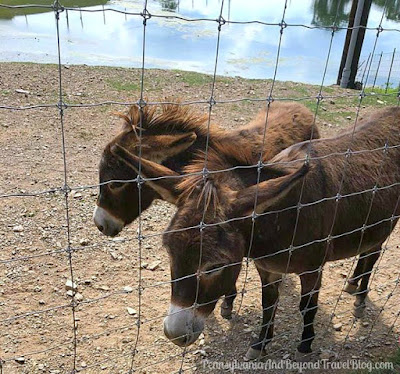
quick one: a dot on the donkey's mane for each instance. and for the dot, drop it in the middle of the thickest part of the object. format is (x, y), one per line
(165, 118)
(207, 187)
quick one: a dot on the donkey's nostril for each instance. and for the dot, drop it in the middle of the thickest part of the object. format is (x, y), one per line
(100, 227)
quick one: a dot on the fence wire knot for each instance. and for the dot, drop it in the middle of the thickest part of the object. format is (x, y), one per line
(319, 97)
(260, 166)
(58, 8)
(212, 101)
(254, 215)
(269, 100)
(61, 105)
(139, 181)
(379, 29)
(66, 189)
(146, 16)
(141, 103)
(205, 173)
(283, 26)
(221, 21)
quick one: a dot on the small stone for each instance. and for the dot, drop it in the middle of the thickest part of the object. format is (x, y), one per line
(365, 324)
(348, 117)
(83, 242)
(145, 265)
(42, 302)
(18, 228)
(20, 360)
(154, 265)
(338, 326)
(83, 364)
(76, 195)
(25, 92)
(103, 367)
(201, 342)
(131, 311)
(380, 102)
(41, 367)
(79, 296)
(202, 352)
(128, 289)
(37, 289)
(69, 285)
(104, 288)
(331, 102)
(70, 293)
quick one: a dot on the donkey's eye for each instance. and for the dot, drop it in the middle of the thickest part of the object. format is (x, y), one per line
(214, 269)
(115, 185)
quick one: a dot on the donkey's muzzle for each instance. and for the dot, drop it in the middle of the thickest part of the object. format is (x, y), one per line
(107, 223)
(183, 325)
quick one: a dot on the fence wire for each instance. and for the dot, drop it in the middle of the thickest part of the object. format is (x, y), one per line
(374, 69)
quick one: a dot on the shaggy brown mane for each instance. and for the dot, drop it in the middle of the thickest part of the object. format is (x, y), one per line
(169, 117)
(208, 193)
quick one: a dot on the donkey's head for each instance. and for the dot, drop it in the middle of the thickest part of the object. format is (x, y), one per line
(205, 245)
(164, 135)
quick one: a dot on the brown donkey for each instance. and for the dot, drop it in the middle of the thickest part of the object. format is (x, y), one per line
(367, 206)
(172, 136)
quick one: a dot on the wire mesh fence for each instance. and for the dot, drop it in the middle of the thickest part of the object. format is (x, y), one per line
(385, 70)
(70, 304)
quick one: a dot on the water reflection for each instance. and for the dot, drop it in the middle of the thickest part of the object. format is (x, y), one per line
(7, 13)
(324, 11)
(171, 5)
(247, 50)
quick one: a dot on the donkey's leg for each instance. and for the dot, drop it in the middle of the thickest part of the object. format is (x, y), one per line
(352, 282)
(310, 285)
(369, 259)
(270, 295)
(227, 304)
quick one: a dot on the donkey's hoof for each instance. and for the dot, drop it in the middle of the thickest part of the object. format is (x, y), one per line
(302, 357)
(351, 288)
(226, 312)
(358, 310)
(254, 354)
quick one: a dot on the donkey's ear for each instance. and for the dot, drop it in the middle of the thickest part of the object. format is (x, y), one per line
(165, 187)
(164, 146)
(270, 192)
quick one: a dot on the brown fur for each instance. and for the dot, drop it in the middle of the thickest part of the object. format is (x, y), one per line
(174, 134)
(230, 196)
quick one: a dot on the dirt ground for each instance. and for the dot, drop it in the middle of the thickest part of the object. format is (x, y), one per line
(36, 333)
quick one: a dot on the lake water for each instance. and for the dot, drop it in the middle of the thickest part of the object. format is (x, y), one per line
(247, 50)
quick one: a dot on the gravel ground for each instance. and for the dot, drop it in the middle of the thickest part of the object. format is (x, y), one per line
(36, 315)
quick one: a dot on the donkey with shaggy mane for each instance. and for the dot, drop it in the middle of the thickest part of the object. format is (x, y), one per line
(171, 136)
(367, 211)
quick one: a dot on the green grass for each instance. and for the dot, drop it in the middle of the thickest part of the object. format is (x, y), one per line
(394, 358)
(198, 79)
(123, 86)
